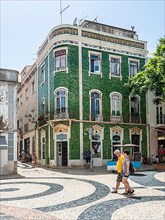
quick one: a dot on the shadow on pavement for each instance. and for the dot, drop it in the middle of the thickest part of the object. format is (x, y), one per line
(11, 176)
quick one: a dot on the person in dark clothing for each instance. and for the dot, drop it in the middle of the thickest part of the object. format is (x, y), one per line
(87, 156)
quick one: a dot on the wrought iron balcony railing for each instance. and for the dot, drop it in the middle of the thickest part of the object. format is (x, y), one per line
(135, 118)
(95, 117)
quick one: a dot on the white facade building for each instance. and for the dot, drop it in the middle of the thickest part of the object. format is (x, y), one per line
(8, 130)
(27, 111)
(156, 121)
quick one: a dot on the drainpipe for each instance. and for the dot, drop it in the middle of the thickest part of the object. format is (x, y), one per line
(48, 159)
(80, 94)
(148, 125)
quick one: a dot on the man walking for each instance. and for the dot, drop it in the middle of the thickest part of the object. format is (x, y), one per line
(87, 156)
(119, 169)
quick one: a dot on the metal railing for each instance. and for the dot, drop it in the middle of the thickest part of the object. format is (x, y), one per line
(73, 113)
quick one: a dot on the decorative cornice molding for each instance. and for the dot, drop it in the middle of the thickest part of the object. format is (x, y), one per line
(135, 130)
(116, 129)
(64, 30)
(112, 39)
(112, 50)
(61, 128)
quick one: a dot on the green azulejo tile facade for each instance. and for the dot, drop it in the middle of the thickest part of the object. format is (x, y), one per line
(82, 98)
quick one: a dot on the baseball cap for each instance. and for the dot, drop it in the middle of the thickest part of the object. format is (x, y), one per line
(116, 151)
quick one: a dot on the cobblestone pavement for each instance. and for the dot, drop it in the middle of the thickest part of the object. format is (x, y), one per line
(78, 194)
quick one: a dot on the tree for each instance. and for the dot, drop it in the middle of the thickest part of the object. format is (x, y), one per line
(152, 77)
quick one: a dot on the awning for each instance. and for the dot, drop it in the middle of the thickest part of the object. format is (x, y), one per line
(3, 143)
(160, 129)
(125, 145)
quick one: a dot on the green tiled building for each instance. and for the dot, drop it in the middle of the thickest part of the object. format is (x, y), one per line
(82, 100)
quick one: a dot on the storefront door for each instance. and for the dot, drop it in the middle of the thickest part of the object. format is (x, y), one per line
(62, 153)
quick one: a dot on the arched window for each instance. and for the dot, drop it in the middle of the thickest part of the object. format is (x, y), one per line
(61, 101)
(116, 104)
(95, 105)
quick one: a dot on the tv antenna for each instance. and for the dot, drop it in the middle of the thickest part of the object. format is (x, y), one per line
(132, 27)
(95, 20)
(62, 10)
(81, 20)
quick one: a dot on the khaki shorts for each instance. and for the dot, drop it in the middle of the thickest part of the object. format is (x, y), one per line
(119, 177)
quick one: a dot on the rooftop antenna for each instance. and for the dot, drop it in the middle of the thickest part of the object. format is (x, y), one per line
(62, 10)
(132, 27)
(75, 21)
(95, 20)
(81, 20)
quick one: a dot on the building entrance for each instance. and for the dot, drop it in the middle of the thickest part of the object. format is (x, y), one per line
(62, 153)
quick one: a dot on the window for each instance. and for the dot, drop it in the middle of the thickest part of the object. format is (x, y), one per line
(43, 144)
(43, 148)
(17, 124)
(33, 143)
(95, 63)
(60, 60)
(115, 66)
(136, 140)
(26, 127)
(95, 105)
(61, 100)
(21, 103)
(160, 115)
(42, 74)
(116, 104)
(133, 67)
(135, 114)
(17, 103)
(26, 93)
(33, 87)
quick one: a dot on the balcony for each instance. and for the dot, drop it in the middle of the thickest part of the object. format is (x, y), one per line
(61, 114)
(116, 119)
(135, 118)
(96, 117)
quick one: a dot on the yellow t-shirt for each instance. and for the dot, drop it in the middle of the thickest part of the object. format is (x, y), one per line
(119, 163)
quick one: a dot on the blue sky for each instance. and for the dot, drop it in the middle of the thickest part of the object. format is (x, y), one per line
(25, 24)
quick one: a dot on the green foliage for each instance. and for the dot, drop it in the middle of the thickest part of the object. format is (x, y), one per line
(152, 78)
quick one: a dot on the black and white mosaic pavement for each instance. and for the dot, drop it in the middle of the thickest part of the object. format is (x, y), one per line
(67, 197)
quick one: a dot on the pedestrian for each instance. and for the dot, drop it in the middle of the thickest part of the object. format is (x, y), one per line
(33, 159)
(87, 156)
(23, 156)
(120, 160)
(154, 159)
(126, 173)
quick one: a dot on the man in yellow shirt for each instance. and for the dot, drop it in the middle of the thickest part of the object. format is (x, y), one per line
(118, 169)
